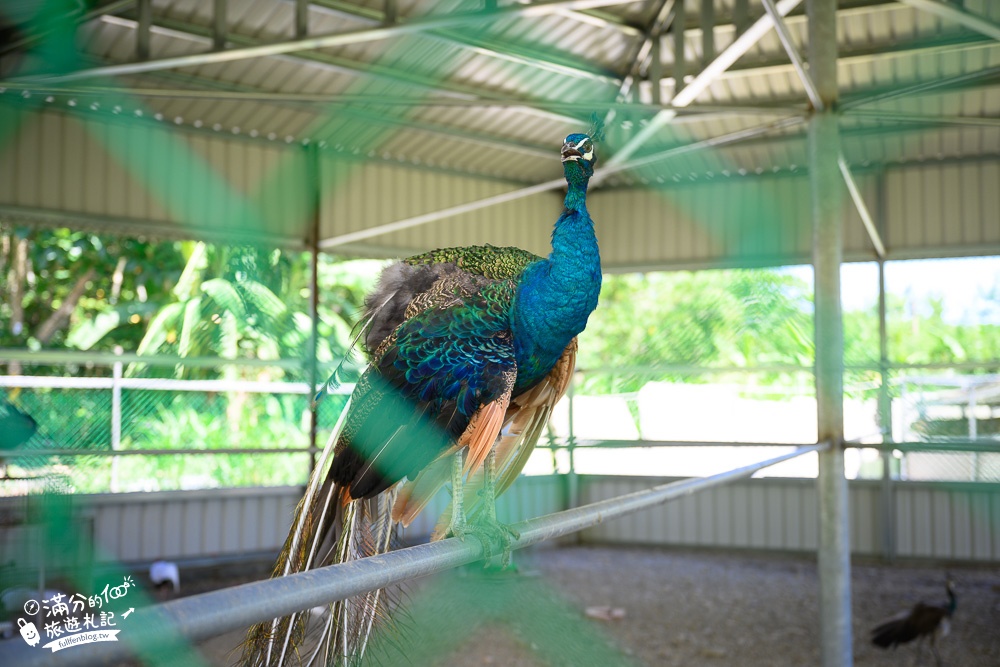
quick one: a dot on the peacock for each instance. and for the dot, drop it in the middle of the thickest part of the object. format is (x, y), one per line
(470, 348)
(922, 621)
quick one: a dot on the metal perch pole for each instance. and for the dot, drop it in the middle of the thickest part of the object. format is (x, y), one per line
(209, 614)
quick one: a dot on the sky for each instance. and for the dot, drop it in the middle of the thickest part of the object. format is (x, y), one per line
(964, 284)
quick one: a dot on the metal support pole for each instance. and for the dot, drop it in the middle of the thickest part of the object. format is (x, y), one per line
(885, 410)
(679, 64)
(707, 32)
(301, 19)
(572, 479)
(828, 243)
(741, 16)
(793, 54)
(859, 203)
(219, 25)
(209, 614)
(315, 197)
(656, 70)
(116, 419)
(145, 16)
(973, 428)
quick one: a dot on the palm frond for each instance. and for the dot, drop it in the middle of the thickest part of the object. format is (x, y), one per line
(159, 327)
(224, 297)
(189, 324)
(270, 311)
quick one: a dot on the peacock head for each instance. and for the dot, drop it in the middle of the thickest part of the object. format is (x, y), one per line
(578, 158)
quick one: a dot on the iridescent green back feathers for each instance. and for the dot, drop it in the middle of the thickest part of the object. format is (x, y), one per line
(489, 261)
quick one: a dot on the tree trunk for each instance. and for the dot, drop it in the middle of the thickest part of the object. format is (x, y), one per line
(18, 274)
(58, 319)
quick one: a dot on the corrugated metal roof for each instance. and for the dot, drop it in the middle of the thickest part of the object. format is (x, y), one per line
(511, 86)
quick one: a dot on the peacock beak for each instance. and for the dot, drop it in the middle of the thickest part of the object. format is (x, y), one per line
(570, 153)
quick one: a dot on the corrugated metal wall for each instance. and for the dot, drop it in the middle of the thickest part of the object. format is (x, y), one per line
(100, 174)
(954, 207)
(929, 210)
(943, 521)
(932, 520)
(733, 221)
(144, 177)
(132, 527)
(359, 194)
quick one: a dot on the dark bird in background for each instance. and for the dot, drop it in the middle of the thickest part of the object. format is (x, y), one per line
(16, 428)
(921, 622)
(470, 348)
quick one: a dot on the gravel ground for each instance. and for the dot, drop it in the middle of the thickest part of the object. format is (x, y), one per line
(676, 608)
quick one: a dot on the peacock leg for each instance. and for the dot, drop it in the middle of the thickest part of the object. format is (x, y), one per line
(937, 656)
(457, 526)
(502, 532)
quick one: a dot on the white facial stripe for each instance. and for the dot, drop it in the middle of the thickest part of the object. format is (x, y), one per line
(589, 155)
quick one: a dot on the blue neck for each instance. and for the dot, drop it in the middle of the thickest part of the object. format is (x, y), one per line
(576, 197)
(556, 295)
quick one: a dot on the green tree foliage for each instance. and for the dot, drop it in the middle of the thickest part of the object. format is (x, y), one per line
(226, 304)
(65, 289)
(79, 290)
(920, 335)
(708, 318)
(62, 289)
(74, 290)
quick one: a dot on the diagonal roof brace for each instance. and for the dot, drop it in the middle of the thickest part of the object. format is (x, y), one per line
(554, 184)
(541, 8)
(193, 32)
(733, 52)
(859, 203)
(793, 54)
(955, 13)
(490, 48)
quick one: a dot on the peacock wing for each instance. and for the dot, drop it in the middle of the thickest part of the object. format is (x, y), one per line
(534, 408)
(424, 279)
(417, 399)
(479, 436)
(524, 422)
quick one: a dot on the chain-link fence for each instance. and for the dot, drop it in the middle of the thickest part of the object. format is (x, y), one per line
(107, 432)
(682, 419)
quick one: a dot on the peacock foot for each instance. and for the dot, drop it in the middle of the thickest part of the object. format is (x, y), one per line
(496, 539)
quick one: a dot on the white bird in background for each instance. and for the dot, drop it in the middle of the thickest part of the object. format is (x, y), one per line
(164, 572)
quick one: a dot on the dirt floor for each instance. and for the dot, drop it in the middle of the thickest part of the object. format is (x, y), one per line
(669, 607)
